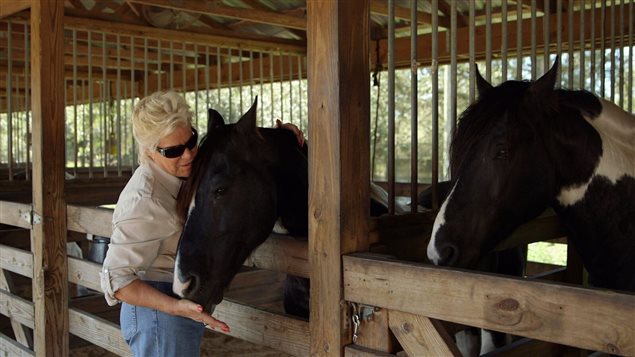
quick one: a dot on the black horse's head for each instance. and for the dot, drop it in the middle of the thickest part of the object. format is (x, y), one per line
(502, 162)
(229, 205)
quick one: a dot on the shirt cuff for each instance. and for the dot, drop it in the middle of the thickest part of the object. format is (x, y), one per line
(111, 283)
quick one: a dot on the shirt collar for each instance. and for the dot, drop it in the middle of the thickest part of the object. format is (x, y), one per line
(169, 181)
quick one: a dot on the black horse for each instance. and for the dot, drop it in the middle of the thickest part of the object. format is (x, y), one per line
(523, 147)
(244, 179)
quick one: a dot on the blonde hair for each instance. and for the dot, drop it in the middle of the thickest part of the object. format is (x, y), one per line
(157, 116)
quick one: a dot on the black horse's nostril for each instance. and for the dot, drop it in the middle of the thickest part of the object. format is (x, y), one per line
(449, 255)
(195, 282)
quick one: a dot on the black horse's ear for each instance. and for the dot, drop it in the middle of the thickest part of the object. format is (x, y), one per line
(547, 82)
(247, 123)
(482, 85)
(214, 120)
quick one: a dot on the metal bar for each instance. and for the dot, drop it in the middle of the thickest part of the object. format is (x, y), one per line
(159, 71)
(435, 103)
(414, 112)
(171, 64)
(133, 96)
(27, 99)
(207, 78)
(630, 55)
(602, 50)
(534, 64)
(218, 76)
(262, 90)
(519, 40)
(301, 106)
(10, 99)
(104, 105)
(183, 71)
(240, 79)
(559, 37)
(472, 31)
(545, 34)
(75, 100)
(488, 41)
(271, 87)
(290, 88)
(90, 107)
(612, 44)
(621, 51)
(196, 85)
(582, 47)
(281, 62)
(503, 41)
(118, 97)
(571, 54)
(230, 62)
(145, 67)
(251, 76)
(391, 107)
(593, 54)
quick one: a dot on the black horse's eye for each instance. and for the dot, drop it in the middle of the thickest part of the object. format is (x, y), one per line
(501, 154)
(219, 192)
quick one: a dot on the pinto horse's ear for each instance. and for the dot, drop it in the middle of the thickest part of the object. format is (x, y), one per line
(481, 83)
(247, 123)
(547, 82)
(214, 120)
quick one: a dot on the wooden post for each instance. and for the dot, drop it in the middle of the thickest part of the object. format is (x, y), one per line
(339, 168)
(50, 267)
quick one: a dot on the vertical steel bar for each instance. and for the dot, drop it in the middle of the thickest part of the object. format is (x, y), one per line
(545, 34)
(290, 88)
(280, 79)
(488, 41)
(612, 44)
(261, 76)
(196, 86)
(218, 76)
(133, 95)
(118, 99)
(534, 29)
(171, 64)
(27, 99)
(91, 117)
(251, 76)
(559, 38)
(145, 67)
(104, 105)
(621, 51)
(631, 13)
(391, 106)
(230, 76)
(519, 40)
(472, 55)
(184, 70)
(414, 112)
(603, 49)
(207, 78)
(10, 100)
(582, 46)
(240, 79)
(435, 103)
(159, 72)
(271, 81)
(75, 101)
(571, 45)
(593, 54)
(504, 35)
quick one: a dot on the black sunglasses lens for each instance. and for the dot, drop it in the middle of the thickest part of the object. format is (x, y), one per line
(174, 152)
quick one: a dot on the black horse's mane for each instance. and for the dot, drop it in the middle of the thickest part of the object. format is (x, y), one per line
(202, 159)
(509, 101)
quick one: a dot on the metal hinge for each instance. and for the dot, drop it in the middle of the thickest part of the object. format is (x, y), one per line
(31, 217)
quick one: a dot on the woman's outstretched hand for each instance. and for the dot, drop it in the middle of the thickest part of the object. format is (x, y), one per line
(294, 129)
(196, 312)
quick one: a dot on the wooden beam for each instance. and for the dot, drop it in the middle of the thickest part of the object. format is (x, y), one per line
(50, 270)
(11, 7)
(11, 348)
(265, 328)
(22, 333)
(421, 336)
(359, 351)
(380, 7)
(597, 320)
(13, 214)
(212, 8)
(339, 168)
(98, 331)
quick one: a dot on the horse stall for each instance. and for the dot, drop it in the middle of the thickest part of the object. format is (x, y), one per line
(74, 69)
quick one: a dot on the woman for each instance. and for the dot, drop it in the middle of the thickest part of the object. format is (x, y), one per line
(138, 268)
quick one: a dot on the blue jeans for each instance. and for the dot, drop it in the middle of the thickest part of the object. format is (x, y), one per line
(151, 332)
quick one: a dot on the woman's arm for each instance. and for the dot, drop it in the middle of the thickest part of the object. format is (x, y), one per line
(141, 294)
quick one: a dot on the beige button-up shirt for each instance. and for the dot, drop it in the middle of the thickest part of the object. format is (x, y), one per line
(145, 233)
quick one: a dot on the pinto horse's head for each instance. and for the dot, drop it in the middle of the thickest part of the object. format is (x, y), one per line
(228, 205)
(502, 162)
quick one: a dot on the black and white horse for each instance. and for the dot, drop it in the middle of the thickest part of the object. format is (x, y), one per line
(523, 147)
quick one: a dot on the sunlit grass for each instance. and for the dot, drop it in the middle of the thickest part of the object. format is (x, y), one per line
(549, 253)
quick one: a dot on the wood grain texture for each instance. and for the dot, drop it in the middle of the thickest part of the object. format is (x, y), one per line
(339, 105)
(421, 336)
(50, 274)
(597, 320)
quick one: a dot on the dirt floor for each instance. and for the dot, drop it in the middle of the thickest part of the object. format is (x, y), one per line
(214, 344)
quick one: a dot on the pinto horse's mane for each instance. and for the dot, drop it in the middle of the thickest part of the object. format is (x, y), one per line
(507, 101)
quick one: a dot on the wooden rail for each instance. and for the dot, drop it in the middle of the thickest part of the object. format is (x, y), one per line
(597, 320)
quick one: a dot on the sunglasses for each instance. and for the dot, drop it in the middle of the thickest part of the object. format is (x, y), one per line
(172, 152)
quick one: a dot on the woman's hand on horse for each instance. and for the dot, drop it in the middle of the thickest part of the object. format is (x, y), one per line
(196, 312)
(294, 129)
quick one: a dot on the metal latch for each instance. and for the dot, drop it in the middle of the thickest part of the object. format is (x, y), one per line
(31, 217)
